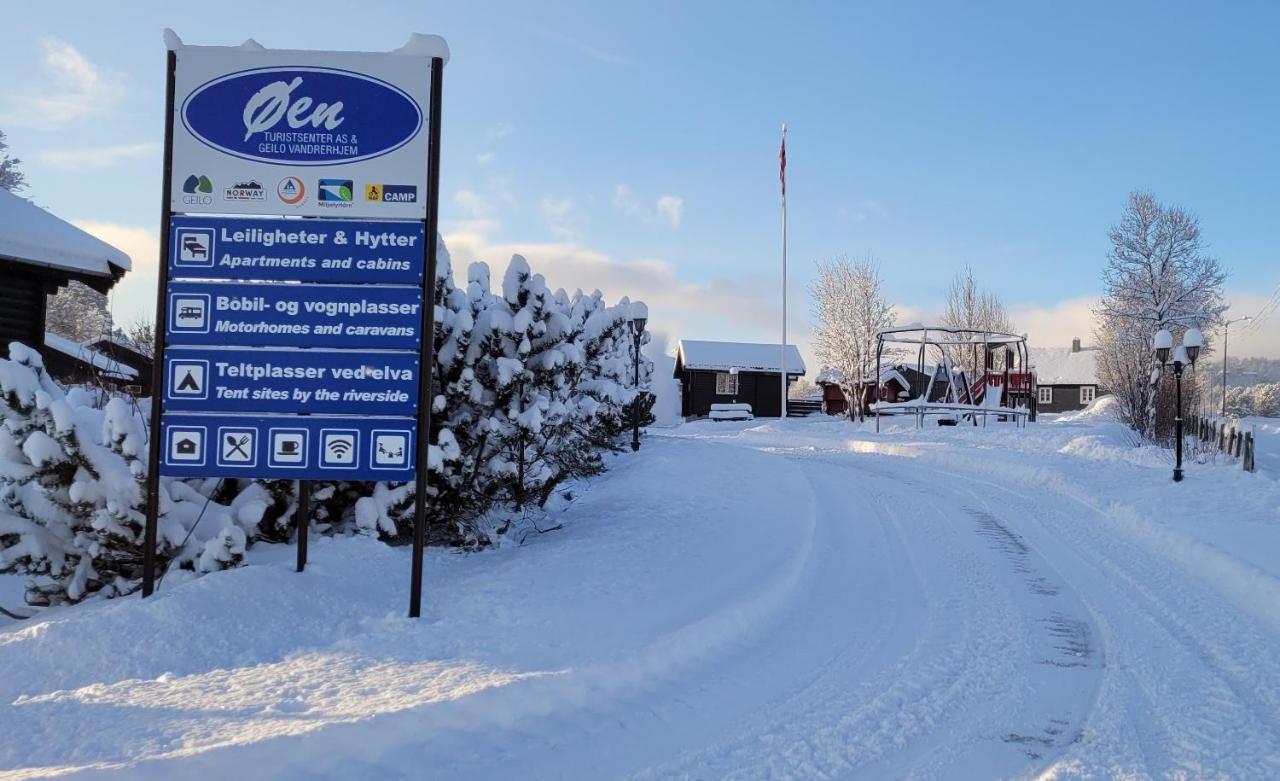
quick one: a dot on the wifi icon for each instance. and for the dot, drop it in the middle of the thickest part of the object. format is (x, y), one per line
(338, 448)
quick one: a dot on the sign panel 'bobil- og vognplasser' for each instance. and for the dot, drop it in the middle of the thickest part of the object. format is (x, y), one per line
(300, 133)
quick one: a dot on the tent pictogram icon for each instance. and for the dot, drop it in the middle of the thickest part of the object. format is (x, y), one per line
(187, 379)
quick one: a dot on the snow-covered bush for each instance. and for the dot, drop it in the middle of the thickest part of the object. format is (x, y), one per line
(532, 388)
(1262, 399)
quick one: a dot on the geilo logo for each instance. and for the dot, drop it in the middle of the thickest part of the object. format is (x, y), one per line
(197, 190)
(301, 115)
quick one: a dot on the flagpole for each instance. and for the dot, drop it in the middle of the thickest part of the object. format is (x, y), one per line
(783, 174)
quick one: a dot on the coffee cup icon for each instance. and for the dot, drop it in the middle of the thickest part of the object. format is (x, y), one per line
(288, 447)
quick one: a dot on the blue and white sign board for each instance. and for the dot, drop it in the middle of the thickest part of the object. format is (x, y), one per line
(280, 314)
(242, 248)
(294, 447)
(256, 131)
(322, 382)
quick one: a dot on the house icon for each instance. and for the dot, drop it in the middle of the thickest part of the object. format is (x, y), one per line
(185, 446)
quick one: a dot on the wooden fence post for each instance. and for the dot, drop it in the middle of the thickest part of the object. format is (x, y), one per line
(1247, 462)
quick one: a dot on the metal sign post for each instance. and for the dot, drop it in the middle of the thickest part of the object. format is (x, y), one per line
(428, 340)
(286, 348)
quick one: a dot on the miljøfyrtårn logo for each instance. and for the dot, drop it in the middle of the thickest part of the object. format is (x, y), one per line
(335, 190)
(301, 115)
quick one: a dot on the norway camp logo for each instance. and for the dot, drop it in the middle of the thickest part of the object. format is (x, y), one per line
(391, 193)
(301, 115)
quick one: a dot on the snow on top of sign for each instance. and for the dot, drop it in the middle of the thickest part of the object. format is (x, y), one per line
(1061, 366)
(722, 356)
(32, 235)
(418, 45)
(90, 356)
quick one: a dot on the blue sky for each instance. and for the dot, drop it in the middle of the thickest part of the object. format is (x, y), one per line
(633, 148)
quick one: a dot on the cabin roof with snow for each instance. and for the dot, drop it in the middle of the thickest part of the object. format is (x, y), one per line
(32, 236)
(1064, 365)
(85, 354)
(743, 356)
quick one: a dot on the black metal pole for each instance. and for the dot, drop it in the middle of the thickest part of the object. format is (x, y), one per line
(635, 420)
(303, 520)
(157, 358)
(427, 347)
(1226, 328)
(1177, 469)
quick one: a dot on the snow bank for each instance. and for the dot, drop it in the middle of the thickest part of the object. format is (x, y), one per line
(265, 668)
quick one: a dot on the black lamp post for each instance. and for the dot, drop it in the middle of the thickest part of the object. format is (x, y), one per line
(1185, 354)
(639, 316)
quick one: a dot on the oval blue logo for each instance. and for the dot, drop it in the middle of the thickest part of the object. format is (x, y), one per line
(301, 115)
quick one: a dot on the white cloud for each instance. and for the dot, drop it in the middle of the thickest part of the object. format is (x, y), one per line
(485, 158)
(560, 216)
(134, 296)
(471, 203)
(90, 158)
(500, 131)
(744, 308)
(72, 88)
(1057, 324)
(585, 49)
(667, 208)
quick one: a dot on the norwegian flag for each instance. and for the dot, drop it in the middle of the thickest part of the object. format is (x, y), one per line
(782, 162)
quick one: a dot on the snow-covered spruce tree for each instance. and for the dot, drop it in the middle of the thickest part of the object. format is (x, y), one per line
(11, 176)
(1158, 276)
(388, 511)
(71, 510)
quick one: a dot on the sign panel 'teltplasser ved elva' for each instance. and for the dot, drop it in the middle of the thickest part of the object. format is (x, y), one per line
(260, 131)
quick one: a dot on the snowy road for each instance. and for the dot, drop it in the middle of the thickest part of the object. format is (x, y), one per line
(778, 601)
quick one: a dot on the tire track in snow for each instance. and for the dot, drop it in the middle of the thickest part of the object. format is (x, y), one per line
(1202, 709)
(917, 713)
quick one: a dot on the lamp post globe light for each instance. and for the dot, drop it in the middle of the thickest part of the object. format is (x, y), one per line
(1183, 355)
(639, 316)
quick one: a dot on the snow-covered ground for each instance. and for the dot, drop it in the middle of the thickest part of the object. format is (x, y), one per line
(796, 599)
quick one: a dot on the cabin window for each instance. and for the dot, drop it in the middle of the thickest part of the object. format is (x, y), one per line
(1086, 394)
(1045, 394)
(726, 384)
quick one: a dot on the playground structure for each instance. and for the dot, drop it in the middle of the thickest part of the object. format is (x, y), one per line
(1003, 386)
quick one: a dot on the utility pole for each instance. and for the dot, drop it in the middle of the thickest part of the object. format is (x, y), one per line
(1226, 327)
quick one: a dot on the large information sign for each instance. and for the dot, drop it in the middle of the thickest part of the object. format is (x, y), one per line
(259, 132)
(296, 287)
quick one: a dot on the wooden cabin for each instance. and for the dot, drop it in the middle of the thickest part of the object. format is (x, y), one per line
(40, 253)
(71, 363)
(733, 372)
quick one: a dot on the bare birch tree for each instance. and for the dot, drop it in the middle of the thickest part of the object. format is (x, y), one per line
(969, 306)
(1158, 275)
(849, 308)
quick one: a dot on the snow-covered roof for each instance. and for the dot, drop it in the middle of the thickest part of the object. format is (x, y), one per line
(29, 234)
(1061, 366)
(90, 356)
(744, 356)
